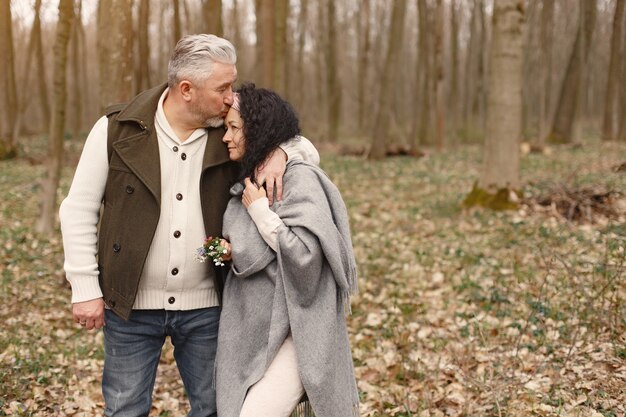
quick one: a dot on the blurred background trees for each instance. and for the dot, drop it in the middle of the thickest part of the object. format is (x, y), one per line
(330, 59)
(370, 77)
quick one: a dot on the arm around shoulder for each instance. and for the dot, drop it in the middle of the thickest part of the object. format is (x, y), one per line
(300, 148)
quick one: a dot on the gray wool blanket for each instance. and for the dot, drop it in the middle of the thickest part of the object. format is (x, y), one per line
(304, 286)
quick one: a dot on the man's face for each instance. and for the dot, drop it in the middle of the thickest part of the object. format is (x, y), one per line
(214, 96)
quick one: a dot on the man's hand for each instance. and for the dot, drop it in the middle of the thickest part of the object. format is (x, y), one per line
(271, 173)
(89, 314)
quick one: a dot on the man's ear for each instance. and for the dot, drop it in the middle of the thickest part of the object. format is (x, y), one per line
(185, 88)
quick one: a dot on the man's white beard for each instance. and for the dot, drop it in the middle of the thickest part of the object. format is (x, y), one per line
(214, 122)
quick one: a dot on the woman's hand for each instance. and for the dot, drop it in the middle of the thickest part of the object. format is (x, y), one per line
(228, 256)
(251, 193)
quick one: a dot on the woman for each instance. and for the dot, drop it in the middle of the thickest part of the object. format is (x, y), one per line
(282, 328)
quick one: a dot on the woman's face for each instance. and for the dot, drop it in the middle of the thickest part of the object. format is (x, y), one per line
(233, 138)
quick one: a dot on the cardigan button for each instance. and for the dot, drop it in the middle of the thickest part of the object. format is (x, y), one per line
(177, 234)
(175, 148)
(179, 196)
(117, 247)
(175, 271)
(183, 156)
(171, 300)
(130, 189)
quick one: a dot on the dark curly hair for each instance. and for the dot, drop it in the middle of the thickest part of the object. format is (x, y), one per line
(268, 121)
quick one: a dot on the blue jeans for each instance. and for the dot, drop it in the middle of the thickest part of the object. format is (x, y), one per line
(133, 349)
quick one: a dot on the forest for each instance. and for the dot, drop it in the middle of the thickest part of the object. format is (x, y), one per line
(479, 145)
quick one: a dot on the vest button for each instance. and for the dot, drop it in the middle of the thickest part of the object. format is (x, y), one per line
(171, 300)
(175, 148)
(130, 189)
(183, 156)
(175, 271)
(177, 234)
(116, 247)
(111, 303)
(179, 196)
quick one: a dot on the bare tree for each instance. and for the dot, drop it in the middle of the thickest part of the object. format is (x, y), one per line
(115, 42)
(453, 97)
(213, 17)
(34, 50)
(265, 41)
(46, 221)
(474, 68)
(76, 99)
(142, 69)
(440, 93)
(363, 59)
(545, 97)
(280, 46)
(332, 79)
(568, 107)
(8, 143)
(610, 108)
(378, 147)
(504, 103)
(302, 22)
(423, 76)
(176, 21)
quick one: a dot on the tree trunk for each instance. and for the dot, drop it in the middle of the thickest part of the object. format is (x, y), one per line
(504, 103)
(332, 80)
(622, 120)
(381, 128)
(474, 68)
(547, 31)
(304, 6)
(213, 17)
(265, 38)
(320, 64)
(453, 97)
(143, 46)
(77, 70)
(569, 100)
(115, 32)
(363, 59)
(46, 221)
(8, 145)
(610, 108)
(280, 47)
(440, 92)
(420, 124)
(176, 21)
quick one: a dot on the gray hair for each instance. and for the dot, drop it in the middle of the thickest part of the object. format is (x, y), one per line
(194, 56)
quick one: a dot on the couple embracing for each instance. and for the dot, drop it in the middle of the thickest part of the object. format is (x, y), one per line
(192, 159)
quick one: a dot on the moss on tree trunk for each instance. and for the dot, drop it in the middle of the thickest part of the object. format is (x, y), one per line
(500, 200)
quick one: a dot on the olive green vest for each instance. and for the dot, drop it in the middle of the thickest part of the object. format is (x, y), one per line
(132, 197)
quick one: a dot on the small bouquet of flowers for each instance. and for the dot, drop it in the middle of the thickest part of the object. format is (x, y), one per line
(212, 249)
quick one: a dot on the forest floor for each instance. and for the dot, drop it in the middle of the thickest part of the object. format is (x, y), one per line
(460, 312)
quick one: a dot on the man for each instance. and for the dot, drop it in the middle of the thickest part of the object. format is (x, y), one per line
(159, 169)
